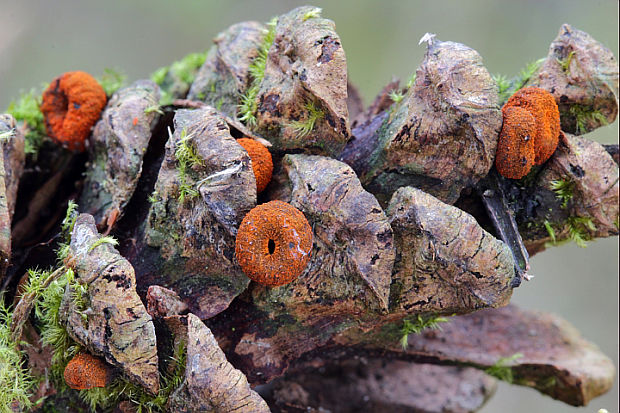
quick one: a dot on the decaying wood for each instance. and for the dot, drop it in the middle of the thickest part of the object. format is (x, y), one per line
(190, 243)
(377, 386)
(116, 325)
(211, 383)
(399, 232)
(117, 147)
(11, 167)
(582, 75)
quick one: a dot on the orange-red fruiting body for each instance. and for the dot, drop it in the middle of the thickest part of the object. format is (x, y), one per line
(262, 165)
(273, 243)
(85, 371)
(543, 108)
(515, 148)
(71, 105)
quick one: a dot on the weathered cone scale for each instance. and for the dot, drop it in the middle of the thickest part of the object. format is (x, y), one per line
(116, 151)
(441, 137)
(353, 253)
(211, 383)
(555, 359)
(446, 263)
(117, 325)
(224, 76)
(305, 82)
(204, 189)
(582, 75)
(577, 191)
(296, 97)
(378, 386)
(11, 167)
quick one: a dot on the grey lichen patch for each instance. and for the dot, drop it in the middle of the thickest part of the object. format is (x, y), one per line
(582, 75)
(116, 325)
(353, 252)
(116, 151)
(197, 234)
(224, 76)
(211, 383)
(446, 262)
(442, 135)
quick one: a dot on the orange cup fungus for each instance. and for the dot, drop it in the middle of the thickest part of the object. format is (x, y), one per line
(273, 243)
(85, 371)
(262, 164)
(71, 105)
(520, 144)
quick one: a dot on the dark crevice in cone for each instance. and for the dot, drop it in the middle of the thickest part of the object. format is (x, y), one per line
(138, 207)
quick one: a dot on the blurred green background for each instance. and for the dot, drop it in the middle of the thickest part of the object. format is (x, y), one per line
(40, 39)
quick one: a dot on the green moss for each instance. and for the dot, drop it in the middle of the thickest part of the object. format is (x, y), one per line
(304, 127)
(550, 231)
(565, 63)
(503, 87)
(121, 388)
(311, 14)
(563, 191)
(154, 108)
(417, 325)
(579, 229)
(396, 96)
(103, 240)
(502, 368)
(112, 80)
(248, 103)
(187, 157)
(159, 75)
(185, 69)
(411, 81)
(26, 109)
(585, 115)
(16, 382)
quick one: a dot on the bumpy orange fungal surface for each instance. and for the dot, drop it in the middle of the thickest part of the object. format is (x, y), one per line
(71, 105)
(543, 108)
(273, 243)
(515, 148)
(262, 164)
(85, 371)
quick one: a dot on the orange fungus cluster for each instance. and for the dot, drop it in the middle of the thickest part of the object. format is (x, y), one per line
(262, 164)
(71, 105)
(273, 243)
(530, 132)
(85, 371)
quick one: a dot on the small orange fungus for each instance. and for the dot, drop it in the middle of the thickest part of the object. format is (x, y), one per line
(515, 149)
(262, 165)
(71, 105)
(273, 243)
(85, 371)
(541, 105)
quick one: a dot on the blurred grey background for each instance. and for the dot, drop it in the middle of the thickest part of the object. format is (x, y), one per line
(40, 39)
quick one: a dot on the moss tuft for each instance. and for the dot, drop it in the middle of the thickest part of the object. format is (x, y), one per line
(304, 127)
(112, 80)
(248, 102)
(502, 369)
(417, 325)
(26, 109)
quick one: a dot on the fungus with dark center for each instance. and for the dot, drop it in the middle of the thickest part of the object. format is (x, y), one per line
(541, 105)
(262, 165)
(85, 371)
(273, 243)
(71, 105)
(515, 149)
